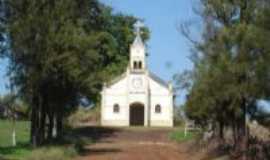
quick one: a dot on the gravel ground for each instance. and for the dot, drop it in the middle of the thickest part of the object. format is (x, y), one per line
(135, 144)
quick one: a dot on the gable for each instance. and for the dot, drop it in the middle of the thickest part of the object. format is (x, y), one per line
(158, 80)
(116, 81)
(117, 86)
(158, 86)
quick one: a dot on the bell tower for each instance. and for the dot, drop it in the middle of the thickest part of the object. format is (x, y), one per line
(137, 51)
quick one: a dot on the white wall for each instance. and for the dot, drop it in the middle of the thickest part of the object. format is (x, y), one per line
(161, 95)
(122, 94)
(115, 94)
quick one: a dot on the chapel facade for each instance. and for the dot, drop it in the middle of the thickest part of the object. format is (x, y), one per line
(138, 97)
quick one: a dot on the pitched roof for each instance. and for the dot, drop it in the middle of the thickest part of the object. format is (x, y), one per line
(116, 79)
(138, 41)
(159, 80)
(151, 75)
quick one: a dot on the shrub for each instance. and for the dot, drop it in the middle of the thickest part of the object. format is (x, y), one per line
(79, 145)
(178, 116)
(179, 136)
(84, 115)
(52, 153)
(258, 149)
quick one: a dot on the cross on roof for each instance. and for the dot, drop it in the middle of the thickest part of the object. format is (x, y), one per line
(138, 25)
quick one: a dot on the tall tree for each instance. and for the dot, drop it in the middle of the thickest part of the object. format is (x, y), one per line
(61, 51)
(230, 73)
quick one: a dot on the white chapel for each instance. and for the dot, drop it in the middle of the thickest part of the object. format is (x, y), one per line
(138, 97)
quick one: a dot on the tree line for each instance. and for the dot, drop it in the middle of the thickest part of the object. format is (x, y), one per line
(61, 52)
(231, 67)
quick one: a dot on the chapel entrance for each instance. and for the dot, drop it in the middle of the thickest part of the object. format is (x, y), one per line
(136, 114)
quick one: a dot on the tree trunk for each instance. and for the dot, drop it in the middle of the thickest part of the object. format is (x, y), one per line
(221, 131)
(35, 122)
(59, 127)
(51, 125)
(34, 126)
(42, 125)
(234, 128)
(242, 132)
(13, 131)
(59, 121)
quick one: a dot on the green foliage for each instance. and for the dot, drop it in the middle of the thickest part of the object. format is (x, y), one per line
(227, 79)
(14, 106)
(80, 144)
(15, 153)
(178, 116)
(231, 72)
(67, 43)
(62, 51)
(179, 136)
(263, 118)
(23, 132)
(83, 115)
(55, 153)
(67, 148)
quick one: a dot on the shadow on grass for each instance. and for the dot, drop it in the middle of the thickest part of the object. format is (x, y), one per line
(78, 138)
(101, 151)
(94, 133)
(20, 149)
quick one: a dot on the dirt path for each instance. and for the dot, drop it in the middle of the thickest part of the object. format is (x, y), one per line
(135, 144)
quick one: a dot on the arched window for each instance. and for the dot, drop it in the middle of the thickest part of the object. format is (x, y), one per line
(135, 65)
(158, 108)
(116, 108)
(140, 65)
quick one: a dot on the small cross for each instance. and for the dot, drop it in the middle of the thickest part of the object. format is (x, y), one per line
(138, 25)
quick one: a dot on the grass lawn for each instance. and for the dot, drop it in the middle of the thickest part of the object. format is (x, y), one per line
(179, 135)
(22, 132)
(22, 136)
(23, 151)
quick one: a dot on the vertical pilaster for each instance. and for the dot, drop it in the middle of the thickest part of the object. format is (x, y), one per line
(103, 99)
(127, 98)
(147, 99)
(171, 102)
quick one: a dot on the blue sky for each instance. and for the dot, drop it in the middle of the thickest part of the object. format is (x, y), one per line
(166, 45)
(3, 78)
